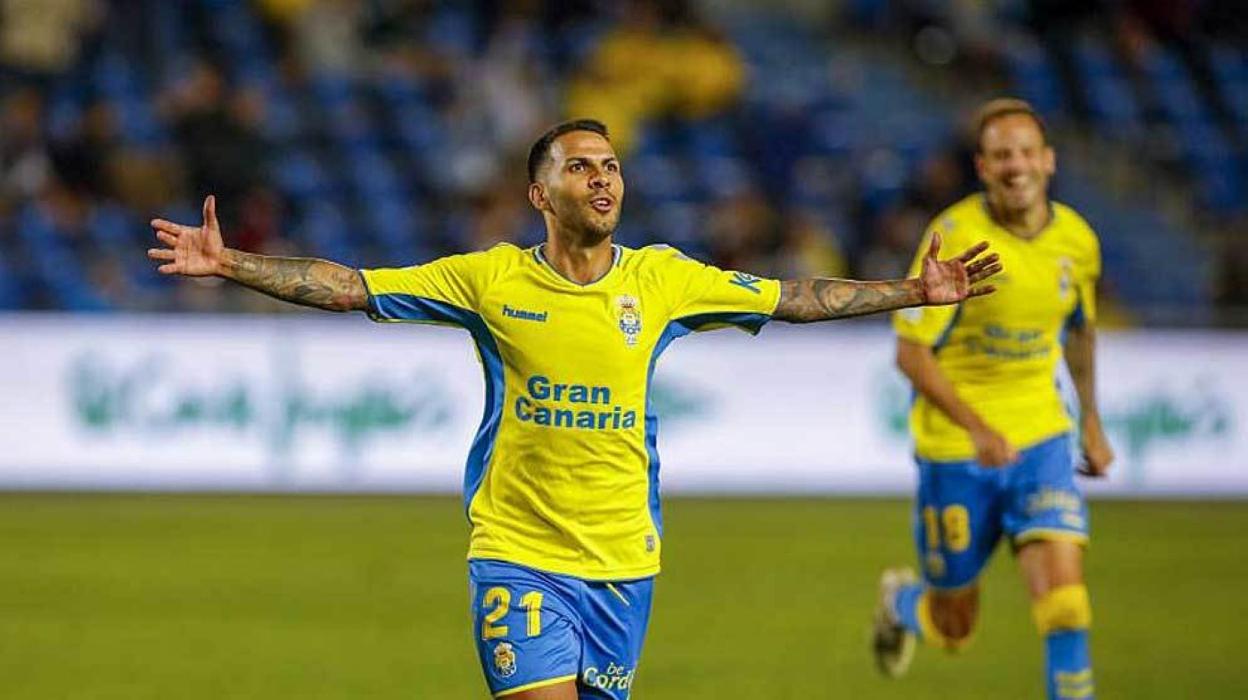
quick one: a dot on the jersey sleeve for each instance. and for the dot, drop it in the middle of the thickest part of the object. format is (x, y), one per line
(704, 297)
(925, 325)
(1086, 273)
(446, 290)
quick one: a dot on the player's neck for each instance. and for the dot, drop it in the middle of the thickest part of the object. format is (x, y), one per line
(1026, 223)
(579, 261)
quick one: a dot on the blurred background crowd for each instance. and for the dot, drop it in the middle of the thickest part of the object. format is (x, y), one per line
(786, 138)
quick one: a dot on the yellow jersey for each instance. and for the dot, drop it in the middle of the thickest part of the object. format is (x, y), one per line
(563, 474)
(1001, 351)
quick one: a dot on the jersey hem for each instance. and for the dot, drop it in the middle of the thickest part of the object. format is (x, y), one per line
(622, 575)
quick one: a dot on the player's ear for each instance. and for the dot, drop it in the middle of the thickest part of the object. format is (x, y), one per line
(537, 196)
(1050, 161)
(979, 165)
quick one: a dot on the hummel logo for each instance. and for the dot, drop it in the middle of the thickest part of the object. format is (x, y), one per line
(525, 315)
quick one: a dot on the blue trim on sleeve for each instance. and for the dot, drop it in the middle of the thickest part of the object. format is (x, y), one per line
(944, 335)
(938, 345)
(407, 307)
(749, 321)
(1078, 317)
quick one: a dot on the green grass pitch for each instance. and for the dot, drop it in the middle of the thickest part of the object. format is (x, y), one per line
(125, 596)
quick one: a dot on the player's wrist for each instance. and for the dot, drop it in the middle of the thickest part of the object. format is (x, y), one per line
(980, 432)
(917, 292)
(226, 263)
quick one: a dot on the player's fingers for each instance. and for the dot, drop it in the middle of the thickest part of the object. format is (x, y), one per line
(161, 254)
(168, 239)
(172, 228)
(210, 211)
(981, 263)
(1087, 468)
(973, 252)
(168, 269)
(983, 273)
(981, 291)
(933, 249)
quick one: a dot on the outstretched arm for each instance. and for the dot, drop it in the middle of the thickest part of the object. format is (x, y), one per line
(198, 251)
(940, 282)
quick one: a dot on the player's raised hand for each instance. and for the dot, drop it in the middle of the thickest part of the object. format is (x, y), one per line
(954, 280)
(195, 251)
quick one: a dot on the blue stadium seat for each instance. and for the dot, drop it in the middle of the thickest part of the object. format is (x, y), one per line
(373, 174)
(299, 174)
(681, 225)
(323, 225)
(660, 179)
(1111, 101)
(1033, 75)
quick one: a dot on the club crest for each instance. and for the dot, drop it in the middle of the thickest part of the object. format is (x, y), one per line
(628, 314)
(1064, 281)
(504, 660)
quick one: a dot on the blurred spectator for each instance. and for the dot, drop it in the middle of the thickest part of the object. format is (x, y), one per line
(743, 231)
(328, 34)
(223, 152)
(895, 240)
(514, 85)
(810, 248)
(661, 61)
(24, 162)
(40, 38)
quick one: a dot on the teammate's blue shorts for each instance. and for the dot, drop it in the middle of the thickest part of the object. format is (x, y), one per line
(962, 509)
(535, 629)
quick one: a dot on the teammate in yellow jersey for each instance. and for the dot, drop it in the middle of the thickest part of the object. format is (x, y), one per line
(562, 481)
(992, 438)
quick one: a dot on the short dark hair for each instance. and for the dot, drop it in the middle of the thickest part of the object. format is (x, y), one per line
(1004, 107)
(540, 151)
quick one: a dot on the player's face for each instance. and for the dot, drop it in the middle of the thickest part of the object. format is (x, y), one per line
(1015, 164)
(583, 185)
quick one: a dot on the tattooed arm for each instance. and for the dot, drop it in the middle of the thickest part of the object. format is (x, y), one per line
(940, 282)
(306, 281)
(199, 252)
(803, 301)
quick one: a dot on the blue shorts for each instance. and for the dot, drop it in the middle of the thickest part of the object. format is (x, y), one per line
(535, 629)
(962, 509)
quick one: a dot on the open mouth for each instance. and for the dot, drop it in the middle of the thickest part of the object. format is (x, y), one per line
(602, 204)
(1017, 183)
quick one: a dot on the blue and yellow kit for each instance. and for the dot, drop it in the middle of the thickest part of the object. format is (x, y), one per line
(562, 478)
(1001, 353)
(563, 475)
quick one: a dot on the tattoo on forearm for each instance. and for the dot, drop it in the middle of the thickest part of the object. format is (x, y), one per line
(818, 299)
(305, 281)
